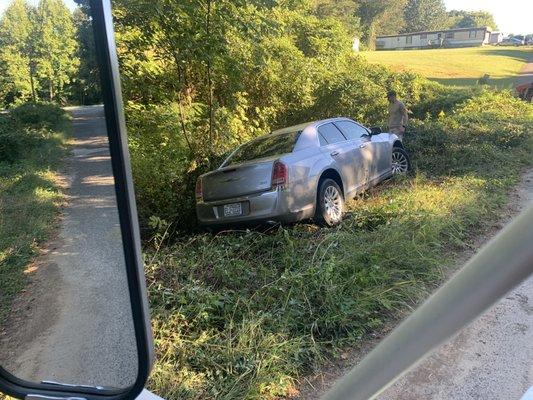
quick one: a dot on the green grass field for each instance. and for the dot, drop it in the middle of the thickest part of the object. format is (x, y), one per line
(459, 67)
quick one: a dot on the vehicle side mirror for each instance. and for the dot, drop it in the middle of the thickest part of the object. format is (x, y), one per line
(74, 316)
(375, 130)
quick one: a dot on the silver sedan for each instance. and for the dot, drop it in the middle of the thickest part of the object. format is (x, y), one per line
(301, 172)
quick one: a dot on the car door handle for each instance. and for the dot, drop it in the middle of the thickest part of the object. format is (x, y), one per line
(334, 153)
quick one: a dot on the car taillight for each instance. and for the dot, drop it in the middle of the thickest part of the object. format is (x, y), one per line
(280, 175)
(199, 190)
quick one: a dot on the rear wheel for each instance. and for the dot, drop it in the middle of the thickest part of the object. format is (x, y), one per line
(330, 203)
(401, 163)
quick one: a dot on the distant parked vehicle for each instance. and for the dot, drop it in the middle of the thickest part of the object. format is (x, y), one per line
(300, 172)
(511, 42)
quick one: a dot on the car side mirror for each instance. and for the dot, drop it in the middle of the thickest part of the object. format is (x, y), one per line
(74, 317)
(375, 130)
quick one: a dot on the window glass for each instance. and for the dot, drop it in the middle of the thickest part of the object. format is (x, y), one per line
(423, 36)
(266, 146)
(409, 39)
(351, 130)
(322, 140)
(330, 134)
(449, 35)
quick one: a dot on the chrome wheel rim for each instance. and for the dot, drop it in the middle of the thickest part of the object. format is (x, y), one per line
(400, 164)
(333, 203)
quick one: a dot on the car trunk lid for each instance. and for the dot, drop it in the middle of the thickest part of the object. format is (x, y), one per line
(238, 180)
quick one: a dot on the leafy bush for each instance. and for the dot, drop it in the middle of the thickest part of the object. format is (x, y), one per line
(166, 161)
(171, 143)
(26, 127)
(473, 136)
(437, 99)
(40, 115)
(15, 143)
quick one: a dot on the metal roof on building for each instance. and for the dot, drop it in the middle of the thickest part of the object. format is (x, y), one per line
(486, 28)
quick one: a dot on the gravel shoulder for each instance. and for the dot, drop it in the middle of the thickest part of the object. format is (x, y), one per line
(489, 359)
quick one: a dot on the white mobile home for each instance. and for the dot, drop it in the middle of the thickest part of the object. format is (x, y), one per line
(464, 37)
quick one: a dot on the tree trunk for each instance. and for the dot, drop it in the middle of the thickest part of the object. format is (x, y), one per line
(182, 114)
(371, 40)
(209, 78)
(33, 97)
(182, 122)
(51, 89)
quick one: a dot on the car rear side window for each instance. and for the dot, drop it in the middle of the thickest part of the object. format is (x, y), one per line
(266, 146)
(351, 130)
(329, 133)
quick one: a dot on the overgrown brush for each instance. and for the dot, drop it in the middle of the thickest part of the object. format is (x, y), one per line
(170, 144)
(243, 314)
(28, 127)
(40, 115)
(31, 151)
(476, 137)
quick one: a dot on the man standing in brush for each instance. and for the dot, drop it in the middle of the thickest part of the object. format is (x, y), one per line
(397, 115)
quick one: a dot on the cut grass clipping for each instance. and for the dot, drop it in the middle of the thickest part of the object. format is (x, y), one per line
(245, 314)
(32, 145)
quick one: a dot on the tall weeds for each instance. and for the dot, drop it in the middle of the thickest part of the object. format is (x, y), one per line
(244, 314)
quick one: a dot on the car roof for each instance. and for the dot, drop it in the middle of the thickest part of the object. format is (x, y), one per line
(308, 130)
(294, 128)
(314, 124)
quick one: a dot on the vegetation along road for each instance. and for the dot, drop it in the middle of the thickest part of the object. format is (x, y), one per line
(491, 358)
(251, 314)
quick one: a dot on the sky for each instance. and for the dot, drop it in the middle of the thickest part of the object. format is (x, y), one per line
(4, 3)
(512, 16)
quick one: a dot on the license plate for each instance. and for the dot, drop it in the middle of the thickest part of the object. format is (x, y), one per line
(232, 210)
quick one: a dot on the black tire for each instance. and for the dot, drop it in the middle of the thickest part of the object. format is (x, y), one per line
(326, 212)
(401, 162)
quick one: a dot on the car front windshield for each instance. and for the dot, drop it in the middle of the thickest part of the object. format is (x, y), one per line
(266, 146)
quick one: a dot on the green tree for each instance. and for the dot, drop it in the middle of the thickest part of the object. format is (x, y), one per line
(17, 56)
(380, 17)
(85, 85)
(217, 60)
(471, 19)
(344, 11)
(425, 15)
(56, 48)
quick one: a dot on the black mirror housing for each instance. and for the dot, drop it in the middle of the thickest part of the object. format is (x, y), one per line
(375, 130)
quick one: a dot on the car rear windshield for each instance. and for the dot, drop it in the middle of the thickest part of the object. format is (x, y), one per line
(267, 146)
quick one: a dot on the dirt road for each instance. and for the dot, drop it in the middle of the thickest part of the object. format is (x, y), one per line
(73, 323)
(488, 360)
(491, 359)
(526, 75)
